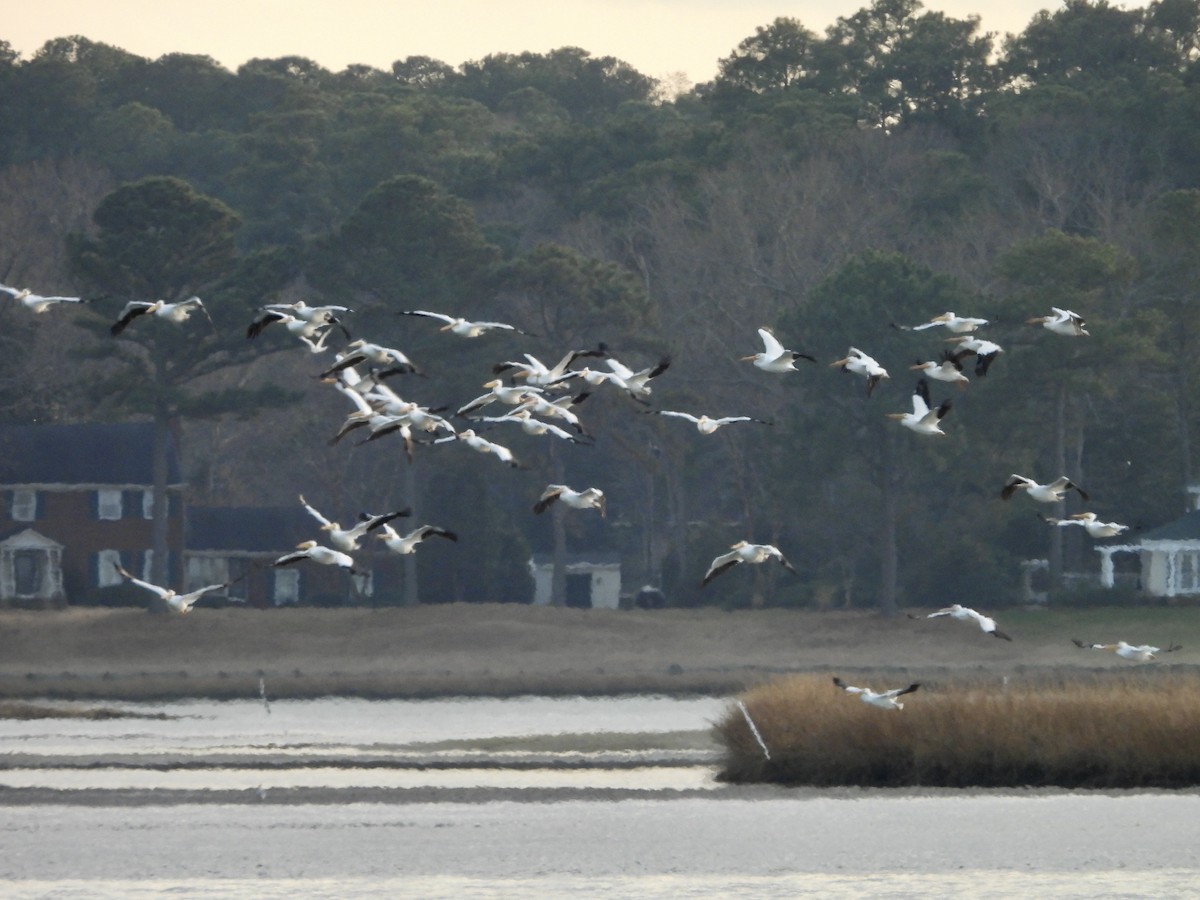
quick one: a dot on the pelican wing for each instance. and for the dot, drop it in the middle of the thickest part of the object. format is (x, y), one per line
(312, 512)
(771, 346)
(432, 315)
(722, 563)
(161, 593)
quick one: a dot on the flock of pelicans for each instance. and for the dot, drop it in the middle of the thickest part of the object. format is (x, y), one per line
(539, 402)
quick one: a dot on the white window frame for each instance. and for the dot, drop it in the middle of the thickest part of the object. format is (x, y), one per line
(24, 505)
(148, 503)
(106, 575)
(110, 504)
(285, 587)
(1187, 573)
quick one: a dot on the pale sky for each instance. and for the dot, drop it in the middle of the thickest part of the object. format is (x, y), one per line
(657, 37)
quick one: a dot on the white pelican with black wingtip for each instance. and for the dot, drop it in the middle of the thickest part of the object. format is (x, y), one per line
(463, 327)
(36, 302)
(965, 614)
(708, 424)
(1043, 493)
(880, 699)
(858, 363)
(159, 309)
(745, 552)
(1138, 653)
(1062, 321)
(589, 498)
(922, 419)
(774, 357)
(1090, 523)
(180, 603)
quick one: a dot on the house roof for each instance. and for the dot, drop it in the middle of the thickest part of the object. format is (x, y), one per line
(105, 453)
(29, 540)
(253, 529)
(589, 558)
(1185, 528)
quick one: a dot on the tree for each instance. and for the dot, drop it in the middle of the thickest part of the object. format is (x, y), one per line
(160, 239)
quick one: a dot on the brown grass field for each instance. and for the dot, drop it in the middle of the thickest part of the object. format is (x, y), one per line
(510, 649)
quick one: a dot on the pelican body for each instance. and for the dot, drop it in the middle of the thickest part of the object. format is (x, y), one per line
(880, 699)
(985, 352)
(963, 614)
(159, 309)
(745, 552)
(590, 498)
(1062, 321)
(36, 302)
(1139, 653)
(180, 603)
(407, 544)
(313, 551)
(1043, 493)
(774, 357)
(859, 363)
(922, 419)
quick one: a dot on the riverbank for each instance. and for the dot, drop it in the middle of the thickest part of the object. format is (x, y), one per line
(503, 650)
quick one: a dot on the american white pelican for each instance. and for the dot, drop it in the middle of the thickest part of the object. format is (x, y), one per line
(858, 363)
(535, 427)
(513, 395)
(482, 445)
(1140, 653)
(318, 554)
(947, 369)
(1090, 523)
(774, 357)
(389, 360)
(379, 425)
(346, 539)
(706, 424)
(1043, 493)
(881, 699)
(590, 498)
(950, 321)
(180, 603)
(635, 384)
(534, 372)
(986, 624)
(160, 309)
(558, 408)
(305, 330)
(302, 310)
(1063, 321)
(36, 302)
(463, 327)
(922, 419)
(745, 552)
(408, 543)
(985, 352)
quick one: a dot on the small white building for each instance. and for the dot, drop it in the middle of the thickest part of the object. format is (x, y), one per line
(31, 569)
(1171, 557)
(593, 580)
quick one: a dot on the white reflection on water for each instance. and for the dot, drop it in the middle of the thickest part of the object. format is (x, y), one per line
(901, 886)
(637, 778)
(349, 725)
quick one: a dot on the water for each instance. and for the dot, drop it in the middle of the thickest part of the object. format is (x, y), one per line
(403, 814)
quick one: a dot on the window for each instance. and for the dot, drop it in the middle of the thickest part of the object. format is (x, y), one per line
(108, 504)
(27, 572)
(287, 587)
(24, 505)
(106, 572)
(148, 504)
(1188, 572)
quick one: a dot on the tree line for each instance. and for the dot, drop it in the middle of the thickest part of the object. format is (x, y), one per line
(901, 164)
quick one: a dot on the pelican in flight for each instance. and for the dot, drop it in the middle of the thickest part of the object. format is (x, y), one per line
(922, 419)
(497, 390)
(159, 309)
(858, 363)
(985, 352)
(536, 373)
(950, 321)
(180, 603)
(881, 699)
(408, 543)
(482, 445)
(947, 369)
(591, 498)
(535, 427)
(36, 302)
(773, 357)
(1090, 523)
(1141, 653)
(636, 384)
(302, 310)
(389, 360)
(986, 624)
(313, 551)
(1043, 493)
(346, 539)
(745, 552)
(559, 408)
(463, 327)
(706, 424)
(311, 331)
(1063, 321)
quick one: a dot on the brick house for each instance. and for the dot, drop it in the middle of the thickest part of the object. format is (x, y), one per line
(74, 499)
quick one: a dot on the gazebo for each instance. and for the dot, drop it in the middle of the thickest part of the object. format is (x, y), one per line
(31, 569)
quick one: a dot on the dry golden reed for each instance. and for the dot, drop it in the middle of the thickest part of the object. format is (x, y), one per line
(1100, 730)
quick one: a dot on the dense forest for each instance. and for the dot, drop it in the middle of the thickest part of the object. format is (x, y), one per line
(900, 165)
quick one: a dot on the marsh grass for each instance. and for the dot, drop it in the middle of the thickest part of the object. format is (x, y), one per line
(1097, 730)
